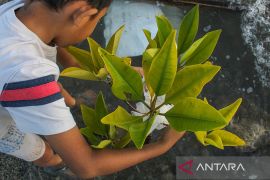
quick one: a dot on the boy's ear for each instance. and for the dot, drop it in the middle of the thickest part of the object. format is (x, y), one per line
(84, 12)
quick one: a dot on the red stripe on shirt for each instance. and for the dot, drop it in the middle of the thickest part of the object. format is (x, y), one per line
(31, 93)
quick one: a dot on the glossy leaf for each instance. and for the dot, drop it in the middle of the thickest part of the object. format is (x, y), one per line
(102, 144)
(214, 140)
(89, 135)
(101, 111)
(124, 141)
(229, 111)
(127, 83)
(83, 57)
(165, 28)
(188, 30)
(202, 49)
(127, 61)
(121, 118)
(208, 63)
(228, 138)
(97, 60)
(148, 56)
(152, 43)
(91, 120)
(114, 41)
(101, 108)
(112, 131)
(89, 117)
(139, 131)
(78, 73)
(194, 115)
(190, 81)
(201, 135)
(164, 66)
(102, 74)
(205, 100)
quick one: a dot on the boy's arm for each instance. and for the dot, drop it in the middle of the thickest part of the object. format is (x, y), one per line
(87, 162)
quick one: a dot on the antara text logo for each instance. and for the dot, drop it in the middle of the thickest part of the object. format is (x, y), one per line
(222, 167)
(214, 166)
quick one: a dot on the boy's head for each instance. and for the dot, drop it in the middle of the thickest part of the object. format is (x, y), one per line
(99, 4)
(78, 18)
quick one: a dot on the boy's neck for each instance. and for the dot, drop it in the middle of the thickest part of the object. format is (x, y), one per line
(40, 20)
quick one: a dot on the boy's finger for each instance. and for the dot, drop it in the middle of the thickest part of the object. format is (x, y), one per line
(69, 100)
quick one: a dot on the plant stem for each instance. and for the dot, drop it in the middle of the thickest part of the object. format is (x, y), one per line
(157, 108)
(134, 109)
(162, 114)
(153, 104)
(146, 105)
(147, 114)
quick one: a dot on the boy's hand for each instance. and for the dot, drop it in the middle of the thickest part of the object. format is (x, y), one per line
(169, 138)
(69, 100)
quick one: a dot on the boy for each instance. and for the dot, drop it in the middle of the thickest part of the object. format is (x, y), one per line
(33, 103)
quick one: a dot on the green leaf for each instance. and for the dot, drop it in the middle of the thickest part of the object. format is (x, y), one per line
(228, 138)
(101, 108)
(202, 49)
(83, 57)
(164, 66)
(121, 118)
(114, 41)
(147, 35)
(89, 116)
(214, 140)
(101, 111)
(191, 114)
(148, 56)
(97, 60)
(78, 73)
(102, 144)
(165, 28)
(127, 61)
(139, 131)
(102, 74)
(190, 81)
(152, 43)
(229, 111)
(205, 100)
(89, 135)
(127, 83)
(91, 121)
(201, 135)
(112, 132)
(123, 142)
(188, 29)
(208, 63)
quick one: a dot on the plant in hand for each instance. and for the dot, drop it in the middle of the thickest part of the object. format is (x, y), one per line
(175, 72)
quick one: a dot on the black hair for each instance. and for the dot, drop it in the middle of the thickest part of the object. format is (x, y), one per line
(58, 4)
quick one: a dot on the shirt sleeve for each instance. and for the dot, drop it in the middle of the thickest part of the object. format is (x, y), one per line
(33, 99)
